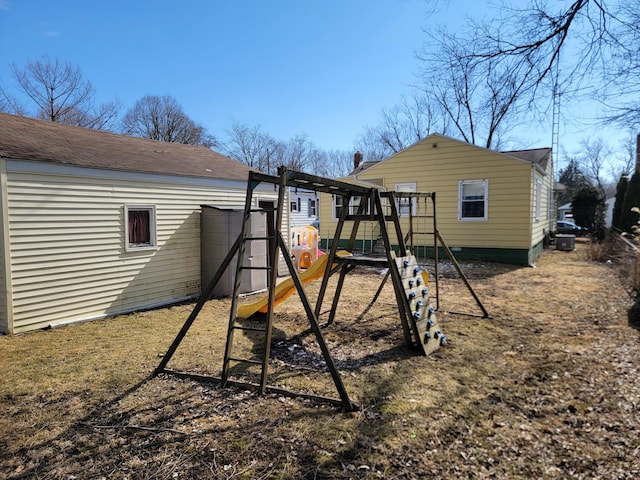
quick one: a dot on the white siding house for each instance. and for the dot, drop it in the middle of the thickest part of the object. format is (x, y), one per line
(94, 224)
(303, 207)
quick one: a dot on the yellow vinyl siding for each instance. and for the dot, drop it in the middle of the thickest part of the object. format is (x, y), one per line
(440, 169)
(541, 225)
(68, 260)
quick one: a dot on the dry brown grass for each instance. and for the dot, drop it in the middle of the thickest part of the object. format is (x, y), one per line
(548, 388)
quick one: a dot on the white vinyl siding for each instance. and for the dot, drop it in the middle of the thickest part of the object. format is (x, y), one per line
(5, 279)
(68, 256)
(302, 199)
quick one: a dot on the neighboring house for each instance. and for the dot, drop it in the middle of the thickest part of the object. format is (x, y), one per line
(94, 224)
(564, 212)
(495, 206)
(303, 207)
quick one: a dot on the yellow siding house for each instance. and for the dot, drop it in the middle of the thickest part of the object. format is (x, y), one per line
(94, 224)
(494, 206)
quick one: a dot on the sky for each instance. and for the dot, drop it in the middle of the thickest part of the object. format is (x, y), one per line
(325, 69)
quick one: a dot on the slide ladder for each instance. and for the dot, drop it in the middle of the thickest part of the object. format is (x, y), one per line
(259, 331)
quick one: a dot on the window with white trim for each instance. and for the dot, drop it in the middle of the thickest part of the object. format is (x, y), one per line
(140, 227)
(473, 202)
(295, 205)
(354, 205)
(336, 208)
(311, 208)
(538, 198)
(406, 206)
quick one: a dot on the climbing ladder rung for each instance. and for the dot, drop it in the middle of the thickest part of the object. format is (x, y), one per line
(249, 239)
(255, 268)
(249, 329)
(244, 360)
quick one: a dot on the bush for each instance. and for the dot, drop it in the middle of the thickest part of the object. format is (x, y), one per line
(629, 217)
(621, 190)
(634, 313)
(588, 211)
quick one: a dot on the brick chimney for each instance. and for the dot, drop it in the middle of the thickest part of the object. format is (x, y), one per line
(357, 157)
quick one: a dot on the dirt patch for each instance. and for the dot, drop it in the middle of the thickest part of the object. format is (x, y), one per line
(547, 388)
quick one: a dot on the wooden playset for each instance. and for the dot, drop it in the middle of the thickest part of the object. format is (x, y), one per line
(415, 310)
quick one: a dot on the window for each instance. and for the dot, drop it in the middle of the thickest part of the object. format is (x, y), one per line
(472, 200)
(140, 227)
(354, 204)
(338, 202)
(312, 208)
(538, 199)
(406, 206)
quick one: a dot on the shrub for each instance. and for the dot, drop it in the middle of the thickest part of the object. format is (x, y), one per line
(588, 210)
(633, 231)
(634, 313)
(621, 190)
(629, 217)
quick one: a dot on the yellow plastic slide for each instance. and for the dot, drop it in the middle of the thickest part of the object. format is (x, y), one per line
(286, 288)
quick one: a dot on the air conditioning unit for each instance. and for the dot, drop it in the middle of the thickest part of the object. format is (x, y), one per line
(566, 243)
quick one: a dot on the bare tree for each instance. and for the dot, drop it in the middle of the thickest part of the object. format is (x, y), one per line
(626, 160)
(339, 163)
(599, 36)
(253, 147)
(479, 97)
(10, 104)
(300, 154)
(402, 125)
(622, 73)
(370, 144)
(594, 154)
(257, 149)
(162, 118)
(59, 94)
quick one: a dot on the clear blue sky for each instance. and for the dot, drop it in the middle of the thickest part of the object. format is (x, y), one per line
(320, 68)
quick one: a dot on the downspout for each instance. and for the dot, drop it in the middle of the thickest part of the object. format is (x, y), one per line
(6, 285)
(532, 212)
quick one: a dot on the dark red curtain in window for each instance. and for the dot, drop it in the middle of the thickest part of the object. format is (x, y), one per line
(139, 232)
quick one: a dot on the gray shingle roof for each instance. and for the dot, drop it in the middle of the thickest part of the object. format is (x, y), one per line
(539, 156)
(24, 138)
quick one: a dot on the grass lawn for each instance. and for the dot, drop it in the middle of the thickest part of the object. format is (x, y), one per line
(548, 388)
